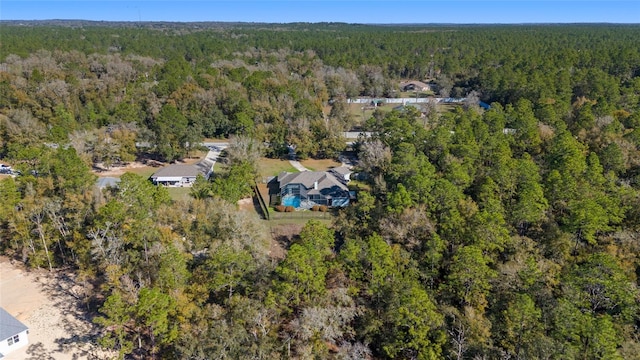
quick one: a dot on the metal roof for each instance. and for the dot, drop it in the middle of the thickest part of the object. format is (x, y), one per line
(9, 325)
(342, 170)
(107, 181)
(176, 170)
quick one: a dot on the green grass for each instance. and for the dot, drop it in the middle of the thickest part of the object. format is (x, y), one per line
(358, 185)
(218, 167)
(145, 172)
(412, 94)
(356, 110)
(319, 164)
(272, 167)
(179, 193)
(296, 221)
(266, 167)
(357, 113)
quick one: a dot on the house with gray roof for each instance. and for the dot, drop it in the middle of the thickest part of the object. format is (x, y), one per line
(13, 333)
(308, 188)
(178, 175)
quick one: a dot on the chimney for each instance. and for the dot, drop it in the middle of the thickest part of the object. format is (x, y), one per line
(315, 185)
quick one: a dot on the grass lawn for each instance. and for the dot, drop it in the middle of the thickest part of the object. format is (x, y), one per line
(319, 164)
(360, 115)
(412, 94)
(357, 185)
(272, 167)
(356, 110)
(298, 221)
(444, 108)
(179, 193)
(218, 167)
(195, 157)
(145, 171)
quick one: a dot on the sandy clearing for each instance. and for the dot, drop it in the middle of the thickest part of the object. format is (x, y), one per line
(49, 304)
(102, 171)
(115, 171)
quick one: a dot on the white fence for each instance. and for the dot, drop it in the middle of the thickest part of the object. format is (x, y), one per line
(404, 100)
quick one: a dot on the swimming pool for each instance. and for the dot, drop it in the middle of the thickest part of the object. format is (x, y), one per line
(291, 201)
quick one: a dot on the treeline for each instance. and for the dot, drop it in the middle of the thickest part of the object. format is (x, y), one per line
(276, 83)
(507, 233)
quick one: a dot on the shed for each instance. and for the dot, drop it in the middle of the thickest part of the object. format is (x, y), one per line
(13, 333)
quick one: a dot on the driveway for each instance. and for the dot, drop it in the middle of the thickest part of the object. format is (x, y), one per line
(293, 159)
(215, 148)
(296, 164)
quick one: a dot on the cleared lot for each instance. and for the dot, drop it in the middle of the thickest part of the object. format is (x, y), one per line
(49, 303)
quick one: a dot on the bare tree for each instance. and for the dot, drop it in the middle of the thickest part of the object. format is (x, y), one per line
(37, 217)
(430, 110)
(472, 101)
(374, 156)
(458, 335)
(373, 81)
(244, 149)
(445, 84)
(355, 351)
(22, 128)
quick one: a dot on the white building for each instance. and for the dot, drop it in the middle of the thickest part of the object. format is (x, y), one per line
(13, 333)
(177, 175)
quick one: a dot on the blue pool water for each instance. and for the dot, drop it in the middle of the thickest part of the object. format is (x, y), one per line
(291, 201)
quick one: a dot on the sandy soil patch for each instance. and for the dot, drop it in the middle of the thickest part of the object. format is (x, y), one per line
(141, 166)
(49, 304)
(282, 236)
(246, 204)
(116, 171)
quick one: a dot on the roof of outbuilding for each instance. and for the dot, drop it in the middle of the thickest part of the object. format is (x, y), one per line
(414, 83)
(9, 325)
(342, 170)
(107, 181)
(176, 170)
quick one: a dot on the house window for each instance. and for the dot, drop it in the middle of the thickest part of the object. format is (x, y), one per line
(14, 339)
(292, 189)
(318, 199)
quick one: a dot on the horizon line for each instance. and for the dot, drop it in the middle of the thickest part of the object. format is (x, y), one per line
(323, 22)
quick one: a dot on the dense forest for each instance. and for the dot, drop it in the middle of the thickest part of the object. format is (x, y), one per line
(504, 233)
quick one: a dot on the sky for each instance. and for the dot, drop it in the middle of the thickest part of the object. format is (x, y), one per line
(349, 11)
